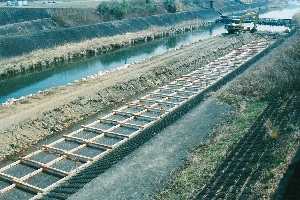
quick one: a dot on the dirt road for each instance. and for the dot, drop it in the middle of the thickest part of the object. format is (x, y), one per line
(27, 121)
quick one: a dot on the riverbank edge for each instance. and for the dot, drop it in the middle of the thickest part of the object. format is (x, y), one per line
(56, 57)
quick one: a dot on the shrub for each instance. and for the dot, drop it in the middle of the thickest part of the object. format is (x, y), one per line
(170, 6)
(75, 17)
(128, 9)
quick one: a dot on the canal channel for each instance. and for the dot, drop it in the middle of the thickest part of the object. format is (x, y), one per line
(18, 87)
(79, 70)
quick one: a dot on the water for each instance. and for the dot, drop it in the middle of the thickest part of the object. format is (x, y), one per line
(23, 86)
(60, 76)
(286, 13)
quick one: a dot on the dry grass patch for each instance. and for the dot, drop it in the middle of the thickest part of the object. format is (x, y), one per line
(272, 130)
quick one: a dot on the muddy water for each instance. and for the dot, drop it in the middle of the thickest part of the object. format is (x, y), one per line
(31, 84)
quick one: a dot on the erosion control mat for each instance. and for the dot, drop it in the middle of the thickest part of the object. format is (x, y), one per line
(246, 162)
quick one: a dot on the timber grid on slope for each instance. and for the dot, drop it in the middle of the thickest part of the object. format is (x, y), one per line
(110, 138)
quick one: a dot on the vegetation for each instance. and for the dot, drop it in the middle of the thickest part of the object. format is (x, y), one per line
(203, 160)
(272, 130)
(117, 10)
(275, 76)
(108, 10)
(283, 151)
(75, 17)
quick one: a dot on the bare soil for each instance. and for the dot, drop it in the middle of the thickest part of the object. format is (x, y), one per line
(32, 119)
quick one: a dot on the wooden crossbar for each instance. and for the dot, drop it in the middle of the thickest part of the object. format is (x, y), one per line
(87, 142)
(159, 102)
(184, 90)
(176, 96)
(110, 121)
(20, 183)
(7, 188)
(139, 106)
(7, 176)
(106, 132)
(66, 153)
(93, 129)
(131, 126)
(135, 125)
(9, 166)
(26, 185)
(118, 134)
(43, 166)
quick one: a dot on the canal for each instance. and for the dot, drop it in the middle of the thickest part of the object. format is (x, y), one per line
(15, 88)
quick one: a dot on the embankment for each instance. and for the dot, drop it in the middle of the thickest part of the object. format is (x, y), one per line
(44, 48)
(29, 120)
(26, 27)
(18, 45)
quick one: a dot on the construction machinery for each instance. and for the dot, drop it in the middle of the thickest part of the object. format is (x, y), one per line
(237, 25)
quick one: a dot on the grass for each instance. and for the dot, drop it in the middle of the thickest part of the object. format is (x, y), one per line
(283, 151)
(203, 160)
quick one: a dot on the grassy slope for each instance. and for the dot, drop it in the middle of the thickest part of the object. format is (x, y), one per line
(205, 158)
(276, 75)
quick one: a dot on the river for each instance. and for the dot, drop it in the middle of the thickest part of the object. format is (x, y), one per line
(15, 88)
